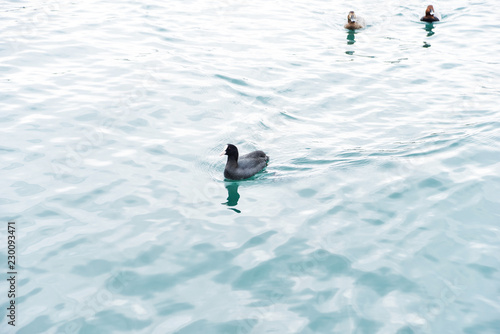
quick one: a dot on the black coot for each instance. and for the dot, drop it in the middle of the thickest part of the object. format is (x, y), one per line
(246, 166)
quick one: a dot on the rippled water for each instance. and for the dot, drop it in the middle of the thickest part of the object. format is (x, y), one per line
(378, 213)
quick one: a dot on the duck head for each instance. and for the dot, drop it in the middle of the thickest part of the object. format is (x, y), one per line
(429, 11)
(351, 17)
(231, 151)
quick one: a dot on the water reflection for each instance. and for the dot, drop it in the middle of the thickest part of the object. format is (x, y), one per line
(350, 37)
(232, 194)
(428, 28)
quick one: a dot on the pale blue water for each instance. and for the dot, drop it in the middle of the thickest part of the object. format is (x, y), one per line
(378, 213)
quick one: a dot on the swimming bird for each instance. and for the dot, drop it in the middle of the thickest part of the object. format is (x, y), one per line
(429, 15)
(354, 22)
(246, 166)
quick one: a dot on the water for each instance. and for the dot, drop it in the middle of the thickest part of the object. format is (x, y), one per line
(378, 213)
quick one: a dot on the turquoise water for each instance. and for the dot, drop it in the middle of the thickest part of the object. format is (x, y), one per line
(379, 210)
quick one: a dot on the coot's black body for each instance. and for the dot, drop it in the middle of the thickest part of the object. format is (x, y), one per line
(239, 168)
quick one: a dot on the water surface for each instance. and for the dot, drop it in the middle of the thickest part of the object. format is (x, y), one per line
(378, 213)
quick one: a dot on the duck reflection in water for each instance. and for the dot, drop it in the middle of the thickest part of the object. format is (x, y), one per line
(428, 28)
(430, 32)
(350, 37)
(232, 195)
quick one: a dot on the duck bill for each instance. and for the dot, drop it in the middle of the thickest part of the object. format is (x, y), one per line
(223, 152)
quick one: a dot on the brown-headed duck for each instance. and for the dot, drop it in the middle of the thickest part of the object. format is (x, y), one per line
(429, 15)
(354, 22)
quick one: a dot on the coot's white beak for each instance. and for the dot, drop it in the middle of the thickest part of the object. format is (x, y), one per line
(432, 12)
(223, 152)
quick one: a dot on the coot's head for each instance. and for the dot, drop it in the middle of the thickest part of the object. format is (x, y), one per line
(429, 11)
(351, 17)
(230, 151)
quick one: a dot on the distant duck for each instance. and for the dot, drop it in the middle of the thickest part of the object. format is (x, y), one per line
(354, 22)
(429, 15)
(246, 166)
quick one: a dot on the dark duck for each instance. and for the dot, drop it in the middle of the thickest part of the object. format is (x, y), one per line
(239, 168)
(429, 15)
